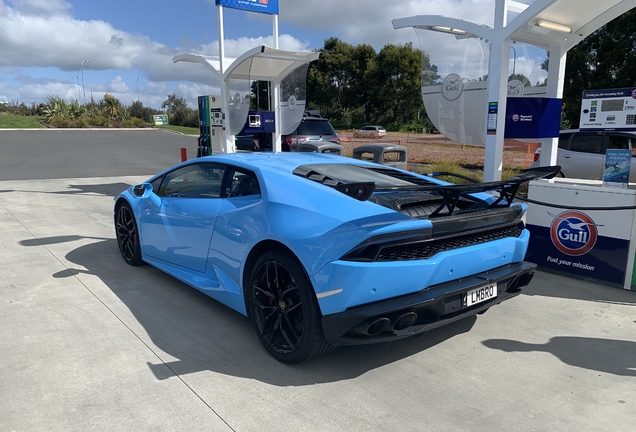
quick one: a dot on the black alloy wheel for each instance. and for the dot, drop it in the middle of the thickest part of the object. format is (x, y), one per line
(284, 309)
(127, 235)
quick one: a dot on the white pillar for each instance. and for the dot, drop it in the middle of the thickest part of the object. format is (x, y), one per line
(556, 78)
(497, 92)
(275, 30)
(276, 140)
(221, 38)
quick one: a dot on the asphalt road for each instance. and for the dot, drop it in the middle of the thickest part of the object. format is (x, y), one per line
(50, 154)
(89, 343)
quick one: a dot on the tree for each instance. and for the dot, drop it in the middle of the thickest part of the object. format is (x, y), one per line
(178, 108)
(520, 77)
(330, 79)
(364, 87)
(399, 76)
(111, 106)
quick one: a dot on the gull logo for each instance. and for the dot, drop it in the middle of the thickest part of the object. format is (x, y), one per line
(572, 232)
(452, 87)
(292, 102)
(515, 117)
(515, 88)
(634, 93)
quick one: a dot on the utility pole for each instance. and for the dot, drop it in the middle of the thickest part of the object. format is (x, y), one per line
(78, 89)
(83, 87)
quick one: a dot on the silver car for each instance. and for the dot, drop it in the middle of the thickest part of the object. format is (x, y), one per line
(582, 154)
(370, 132)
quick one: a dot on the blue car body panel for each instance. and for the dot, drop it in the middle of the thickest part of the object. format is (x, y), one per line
(205, 242)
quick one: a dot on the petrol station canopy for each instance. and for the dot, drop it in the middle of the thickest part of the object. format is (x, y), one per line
(555, 25)
(543, 23)
(260, 63)
(235, 78)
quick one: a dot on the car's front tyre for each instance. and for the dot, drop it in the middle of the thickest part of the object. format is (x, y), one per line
(284, 310)
(127, 235)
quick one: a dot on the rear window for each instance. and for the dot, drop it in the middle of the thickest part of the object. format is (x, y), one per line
(355, 174)
(315, 128)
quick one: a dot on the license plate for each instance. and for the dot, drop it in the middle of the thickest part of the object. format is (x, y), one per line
(480, 294)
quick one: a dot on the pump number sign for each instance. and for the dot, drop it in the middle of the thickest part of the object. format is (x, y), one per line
(608, 110)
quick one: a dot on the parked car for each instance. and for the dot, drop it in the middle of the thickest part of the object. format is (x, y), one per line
(311, 128)
(370, 132)
(581, 154)
(321, 250)
(244, 142)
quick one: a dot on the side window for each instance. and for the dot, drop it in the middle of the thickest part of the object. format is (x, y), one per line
(242, 183)
(620, 142)
(564, 141)
(193, 181)
(155, 184)
(588, 143)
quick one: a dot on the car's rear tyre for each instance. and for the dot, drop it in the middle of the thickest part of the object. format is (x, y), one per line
(284, 309)
(127, 235)
(355, 135)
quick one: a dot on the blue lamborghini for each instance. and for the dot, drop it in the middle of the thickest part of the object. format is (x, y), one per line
(321, 250)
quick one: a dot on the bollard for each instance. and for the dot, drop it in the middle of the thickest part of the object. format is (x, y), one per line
(184, 154)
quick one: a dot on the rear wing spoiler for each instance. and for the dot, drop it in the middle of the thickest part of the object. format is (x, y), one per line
(451, 194)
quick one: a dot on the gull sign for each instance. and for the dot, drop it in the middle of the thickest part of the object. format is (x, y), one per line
(269, 7)
(572, 232)
(452, 87)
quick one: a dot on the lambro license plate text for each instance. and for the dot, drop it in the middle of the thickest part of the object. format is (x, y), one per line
(480, 294)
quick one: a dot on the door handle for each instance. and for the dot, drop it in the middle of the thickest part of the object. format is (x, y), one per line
(203, 221)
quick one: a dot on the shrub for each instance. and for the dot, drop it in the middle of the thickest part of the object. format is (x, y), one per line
(99, 120)
(133, 122)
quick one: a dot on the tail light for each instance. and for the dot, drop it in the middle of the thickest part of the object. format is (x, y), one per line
(536, 156)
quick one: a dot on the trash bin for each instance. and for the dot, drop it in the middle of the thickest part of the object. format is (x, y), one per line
(387, 154)
(321, 147)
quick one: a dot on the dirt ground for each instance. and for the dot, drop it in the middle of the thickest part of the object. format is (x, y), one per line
(422, 148)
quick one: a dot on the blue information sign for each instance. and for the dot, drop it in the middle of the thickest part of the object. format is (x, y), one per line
(529, 118)
(617, 166)
(262, 6)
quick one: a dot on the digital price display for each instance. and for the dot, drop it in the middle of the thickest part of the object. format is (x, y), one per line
(612, 105)
(608, 110)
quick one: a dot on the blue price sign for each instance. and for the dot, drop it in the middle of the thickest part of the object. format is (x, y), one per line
(261, 6)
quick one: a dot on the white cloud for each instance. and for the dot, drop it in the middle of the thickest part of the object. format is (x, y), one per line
(42, 7)
(370, 21)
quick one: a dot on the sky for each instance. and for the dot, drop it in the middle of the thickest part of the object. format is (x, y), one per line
(78, 49)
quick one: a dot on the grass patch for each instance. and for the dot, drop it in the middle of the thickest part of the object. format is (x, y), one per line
(20, 122)
(182, 129)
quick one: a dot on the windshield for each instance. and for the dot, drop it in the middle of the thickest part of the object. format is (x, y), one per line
(357, 174)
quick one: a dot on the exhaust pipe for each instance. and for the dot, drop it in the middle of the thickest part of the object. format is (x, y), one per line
(372, 328)
(378, 326)
(404, 321)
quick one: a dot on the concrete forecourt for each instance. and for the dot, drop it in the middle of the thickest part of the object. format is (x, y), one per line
(89, 343)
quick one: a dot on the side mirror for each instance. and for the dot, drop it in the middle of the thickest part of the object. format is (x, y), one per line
(142, 190)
